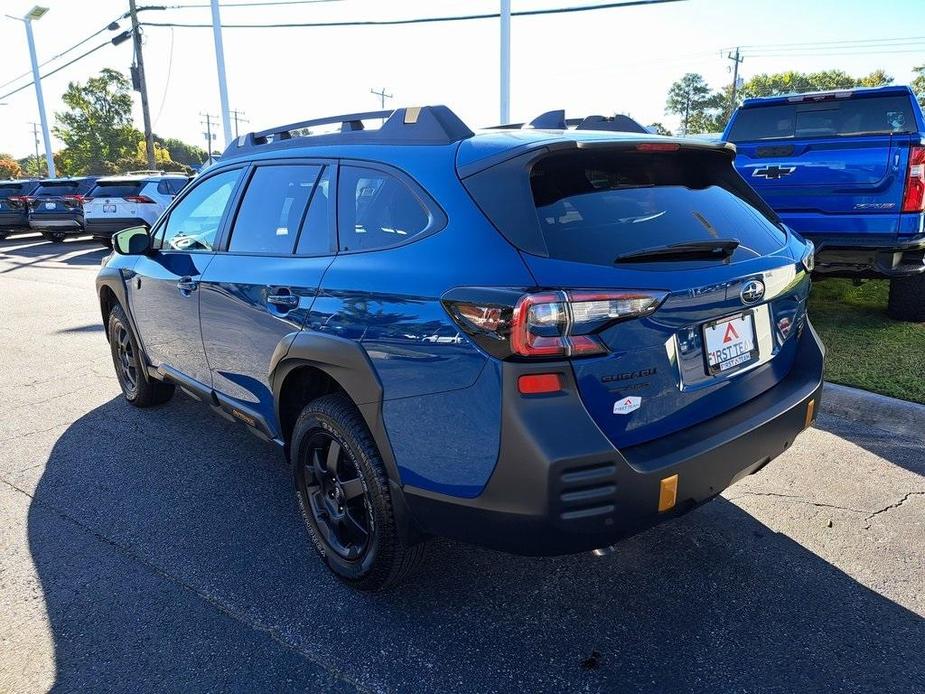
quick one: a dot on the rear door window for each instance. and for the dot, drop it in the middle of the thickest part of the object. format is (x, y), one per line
(315, 237)
(829, 118)
(594, 207)
(272, 209)
(376, 210)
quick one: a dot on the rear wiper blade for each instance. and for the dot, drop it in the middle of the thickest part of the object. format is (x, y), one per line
(716, 249)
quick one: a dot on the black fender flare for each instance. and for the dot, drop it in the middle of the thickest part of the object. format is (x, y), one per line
(347, 363)
(114, 279)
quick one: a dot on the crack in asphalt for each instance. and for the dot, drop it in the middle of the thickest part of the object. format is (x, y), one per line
(127, 552)
(799, 500)
(899, 503)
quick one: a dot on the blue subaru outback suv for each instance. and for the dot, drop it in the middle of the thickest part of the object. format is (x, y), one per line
(538, 340)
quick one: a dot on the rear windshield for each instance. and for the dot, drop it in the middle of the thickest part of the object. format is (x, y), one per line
(116, 189)
(53, 189)
(831, 118)
(594, 207)
(8, 189)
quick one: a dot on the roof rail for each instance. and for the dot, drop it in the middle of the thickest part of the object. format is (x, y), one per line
(145, 172)
(556, 120)
(425, 125)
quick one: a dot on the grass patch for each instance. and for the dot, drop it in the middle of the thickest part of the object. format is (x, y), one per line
(865, 348)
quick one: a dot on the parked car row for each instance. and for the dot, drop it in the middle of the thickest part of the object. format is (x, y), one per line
(99, 206)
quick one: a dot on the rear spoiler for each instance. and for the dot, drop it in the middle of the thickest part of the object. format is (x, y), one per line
(653, 143)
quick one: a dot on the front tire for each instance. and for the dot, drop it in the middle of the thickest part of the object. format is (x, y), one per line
(137, 387)
(343, 493)
(907, 298)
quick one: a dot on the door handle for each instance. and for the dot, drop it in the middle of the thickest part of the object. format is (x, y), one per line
(287, 300)
(186, 285)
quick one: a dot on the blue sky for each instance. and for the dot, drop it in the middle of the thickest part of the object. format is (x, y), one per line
(594, 62)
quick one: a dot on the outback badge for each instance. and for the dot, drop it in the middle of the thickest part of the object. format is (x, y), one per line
(626, 405)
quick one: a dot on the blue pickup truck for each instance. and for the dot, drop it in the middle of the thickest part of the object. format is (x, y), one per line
(845, 169)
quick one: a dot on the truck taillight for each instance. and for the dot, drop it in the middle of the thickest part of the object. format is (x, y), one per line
(548, 324)
(914, 195)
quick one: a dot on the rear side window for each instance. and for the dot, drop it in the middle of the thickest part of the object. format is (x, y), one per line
(376, 209)
(193, 224)
(116, 189)
(315, 237)
(830, 118)
(272, 209)
(594, 207)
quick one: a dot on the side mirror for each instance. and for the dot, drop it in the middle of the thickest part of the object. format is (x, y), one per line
(134, 241)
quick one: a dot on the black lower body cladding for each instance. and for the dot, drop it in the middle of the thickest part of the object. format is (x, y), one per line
(561, 487)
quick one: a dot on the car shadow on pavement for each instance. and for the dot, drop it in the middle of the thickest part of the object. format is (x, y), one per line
(24, 251)
(171, 556)
(896, 449)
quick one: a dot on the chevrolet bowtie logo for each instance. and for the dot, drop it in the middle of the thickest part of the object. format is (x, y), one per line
(774, 171)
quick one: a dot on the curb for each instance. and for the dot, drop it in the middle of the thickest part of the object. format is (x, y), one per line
(885, 413)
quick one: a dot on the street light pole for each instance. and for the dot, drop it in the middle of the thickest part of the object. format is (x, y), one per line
(505, 61)
(220, 62)
(34, 14)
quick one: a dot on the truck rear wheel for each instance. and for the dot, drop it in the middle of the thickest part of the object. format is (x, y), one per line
(907, 298)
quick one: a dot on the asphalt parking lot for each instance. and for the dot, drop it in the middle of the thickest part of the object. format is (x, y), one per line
(162, 550)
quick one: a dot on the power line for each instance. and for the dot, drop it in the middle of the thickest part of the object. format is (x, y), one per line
(419, 20)
(59, 55)
(57, 69)
(239, 4)
(840, 42)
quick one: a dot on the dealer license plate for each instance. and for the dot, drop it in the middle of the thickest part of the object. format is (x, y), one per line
(730, 342)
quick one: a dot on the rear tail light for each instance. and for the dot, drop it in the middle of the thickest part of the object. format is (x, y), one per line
(142, 199)
(914, 196)
(74, 200)
(550, 324)
(23, 200)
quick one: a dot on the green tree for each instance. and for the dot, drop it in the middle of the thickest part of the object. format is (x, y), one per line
(918, 84)
(877, 78)
(97, 127)
(692, 99)
(658, 129)
(181, 152)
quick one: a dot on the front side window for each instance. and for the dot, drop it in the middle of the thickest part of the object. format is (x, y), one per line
(376, 209)
(272, 209)
(193, 224)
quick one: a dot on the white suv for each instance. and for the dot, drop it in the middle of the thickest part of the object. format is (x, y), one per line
(137, 199)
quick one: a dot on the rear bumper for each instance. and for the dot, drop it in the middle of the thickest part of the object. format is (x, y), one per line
(560, 486)
(58, 222)
(103, 229)
(859, 256)
(14, 221)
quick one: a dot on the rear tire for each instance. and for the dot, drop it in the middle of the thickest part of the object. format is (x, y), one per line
(3, 235)
(343, 493)
(54, 236)
(907, 298)
(138, 388)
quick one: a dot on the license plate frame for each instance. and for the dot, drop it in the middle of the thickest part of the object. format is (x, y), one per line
(109, 209)
(50, 205)
(741, 360)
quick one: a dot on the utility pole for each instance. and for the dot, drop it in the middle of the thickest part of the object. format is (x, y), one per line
(220, 63)
(237, 115)
(383, 95)
(736, 58)
(208, 122)
(142, 86)
(505, 61)
(35, 134)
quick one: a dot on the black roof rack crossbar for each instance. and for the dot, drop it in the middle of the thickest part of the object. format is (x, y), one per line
(282, 132)
(425, 125)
